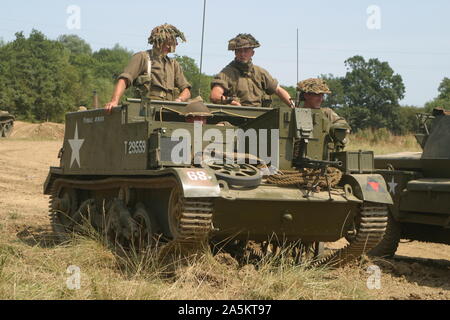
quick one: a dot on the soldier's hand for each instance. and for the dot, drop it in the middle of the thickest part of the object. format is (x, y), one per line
(235, 103)
(291, 103)
(109, 106)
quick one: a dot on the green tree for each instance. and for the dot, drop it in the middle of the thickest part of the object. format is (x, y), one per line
(75, 44)
(443, 99)
(407, 121)
(373, 86)
(437, 103)
(109, 63)
(336, 99)
(105, 67)
(200, 82)
(444, 89)
(38, 76)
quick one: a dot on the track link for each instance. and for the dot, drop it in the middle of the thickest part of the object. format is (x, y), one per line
(195, 223)
(373, 219)
(52, 213)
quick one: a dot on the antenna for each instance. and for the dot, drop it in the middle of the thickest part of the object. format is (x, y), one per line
(297, 56)
(297, 98)
(201, 50)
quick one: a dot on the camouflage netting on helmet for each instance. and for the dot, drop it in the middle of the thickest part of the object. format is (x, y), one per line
(313, 85)
(310, 178)
(243, 40)
(165, 32)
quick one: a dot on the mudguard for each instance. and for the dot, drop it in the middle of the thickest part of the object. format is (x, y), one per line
(197, 182)
(53, 174)
(368, 187)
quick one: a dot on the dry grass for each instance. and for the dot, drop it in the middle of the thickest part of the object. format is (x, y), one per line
(40, 272)
(382, 142)
(32, 266)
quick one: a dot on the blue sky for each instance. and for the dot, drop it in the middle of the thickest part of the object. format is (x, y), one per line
(414, 36)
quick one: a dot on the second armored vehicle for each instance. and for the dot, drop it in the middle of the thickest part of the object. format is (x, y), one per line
(6, 124)
(143, 173)
(420, 187)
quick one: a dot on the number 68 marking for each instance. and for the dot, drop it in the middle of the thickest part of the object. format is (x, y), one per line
(197, 175)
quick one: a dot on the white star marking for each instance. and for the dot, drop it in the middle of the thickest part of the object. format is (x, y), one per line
(392, 186)
(75, 144)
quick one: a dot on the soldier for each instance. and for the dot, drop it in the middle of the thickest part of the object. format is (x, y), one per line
(243, 83)
(312, 92)
(197, 111)
(155, 74)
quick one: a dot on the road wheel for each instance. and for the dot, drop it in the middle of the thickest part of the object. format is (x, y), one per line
(145, 228)
(63, 206)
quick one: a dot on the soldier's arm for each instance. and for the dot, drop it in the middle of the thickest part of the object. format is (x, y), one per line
(131, 72)
(117, 94)
(337, 122)
(272, 87)
(184, 95)
(337, 119)
(181, 83)
(217, 96)
(284, 96)
(220, 87)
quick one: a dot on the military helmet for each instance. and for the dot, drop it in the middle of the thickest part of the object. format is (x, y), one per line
(197, 108)
(313, 85)
(243, 40)
(163, 33)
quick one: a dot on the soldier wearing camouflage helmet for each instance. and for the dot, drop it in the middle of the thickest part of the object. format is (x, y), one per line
(311, 92)
(197, 111)
(155, 75)
(243, 83)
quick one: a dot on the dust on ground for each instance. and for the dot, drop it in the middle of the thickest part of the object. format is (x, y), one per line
(418, 271)
(37, 131)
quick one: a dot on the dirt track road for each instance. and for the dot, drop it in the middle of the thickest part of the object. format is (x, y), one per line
(420, 271)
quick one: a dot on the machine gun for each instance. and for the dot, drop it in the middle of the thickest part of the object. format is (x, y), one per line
(316, 164)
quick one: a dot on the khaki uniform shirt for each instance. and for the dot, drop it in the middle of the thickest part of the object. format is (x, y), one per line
(335, 118)
(249, 85)
(166, 74)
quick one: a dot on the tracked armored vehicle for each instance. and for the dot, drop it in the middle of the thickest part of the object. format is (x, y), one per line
(419, 183)
(143, 173)
(6, 124)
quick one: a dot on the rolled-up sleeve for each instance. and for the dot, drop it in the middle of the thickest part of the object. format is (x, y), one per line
(222, 80)
(271, 84)
(335, 118)
(134, 69)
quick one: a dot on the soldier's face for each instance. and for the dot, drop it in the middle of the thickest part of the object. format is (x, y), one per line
(244, 54)
(313, 100)
(168, 47)
(192, 119)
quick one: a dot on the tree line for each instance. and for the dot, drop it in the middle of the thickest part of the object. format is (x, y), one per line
(42, 79)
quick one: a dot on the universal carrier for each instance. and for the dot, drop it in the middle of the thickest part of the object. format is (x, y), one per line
(118, 172)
